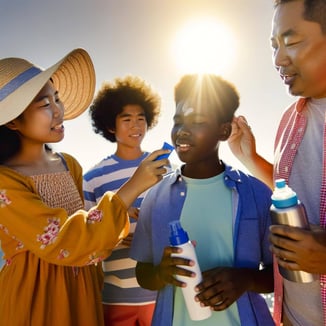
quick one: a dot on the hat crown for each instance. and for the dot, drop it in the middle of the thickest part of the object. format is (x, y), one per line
(10, 68)
(15, 73)
(20, 81)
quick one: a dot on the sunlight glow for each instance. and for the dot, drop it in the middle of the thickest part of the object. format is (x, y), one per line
(203, 46)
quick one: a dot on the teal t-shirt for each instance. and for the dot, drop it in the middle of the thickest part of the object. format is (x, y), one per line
(207, 217)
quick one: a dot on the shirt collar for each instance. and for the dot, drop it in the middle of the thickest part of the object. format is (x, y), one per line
(300, 104)
(231, 176)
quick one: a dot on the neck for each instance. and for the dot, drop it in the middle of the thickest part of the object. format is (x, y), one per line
(203, 171)
(36, 162)
(129, 153)
(29, 155)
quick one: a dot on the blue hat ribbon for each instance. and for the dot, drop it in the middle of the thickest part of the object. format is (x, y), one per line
(18, 81)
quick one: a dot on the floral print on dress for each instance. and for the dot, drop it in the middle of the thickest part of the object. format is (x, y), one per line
(4, 200)
(50, 233)
(4, 229)
(94, 259)
(64, 253)
(19, 246)
(8, 262)
(94, 215)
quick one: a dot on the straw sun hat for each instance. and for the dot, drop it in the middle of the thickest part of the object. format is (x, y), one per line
(20, 81)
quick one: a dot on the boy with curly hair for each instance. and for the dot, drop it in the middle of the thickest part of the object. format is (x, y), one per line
(122, 112)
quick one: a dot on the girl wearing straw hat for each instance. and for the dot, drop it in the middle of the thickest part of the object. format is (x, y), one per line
(51, 245)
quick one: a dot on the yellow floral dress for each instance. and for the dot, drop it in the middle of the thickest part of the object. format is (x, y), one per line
(52, 247)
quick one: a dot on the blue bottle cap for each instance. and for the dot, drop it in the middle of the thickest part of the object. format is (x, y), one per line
(283, 196)
(178, 235)
(280, 183)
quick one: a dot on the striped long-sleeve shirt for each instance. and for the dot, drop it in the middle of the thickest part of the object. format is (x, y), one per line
(120, 285)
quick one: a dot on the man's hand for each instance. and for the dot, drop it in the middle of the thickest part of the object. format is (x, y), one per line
(299, 249)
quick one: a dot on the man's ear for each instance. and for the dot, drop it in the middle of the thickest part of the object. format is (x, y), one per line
(225, 131)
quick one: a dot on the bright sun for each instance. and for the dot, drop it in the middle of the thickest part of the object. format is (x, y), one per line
(204, 46)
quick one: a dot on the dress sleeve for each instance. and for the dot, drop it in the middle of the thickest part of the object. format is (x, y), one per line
(85, 237)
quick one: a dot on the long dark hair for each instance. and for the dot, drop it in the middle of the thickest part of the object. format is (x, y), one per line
(10, 144)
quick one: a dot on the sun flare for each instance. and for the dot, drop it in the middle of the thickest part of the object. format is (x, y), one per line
(203, 46)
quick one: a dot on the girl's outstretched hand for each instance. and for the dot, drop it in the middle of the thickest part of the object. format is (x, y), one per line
(148, 173)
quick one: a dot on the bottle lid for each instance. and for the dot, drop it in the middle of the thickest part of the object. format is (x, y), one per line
(283, 196)
(178, 235)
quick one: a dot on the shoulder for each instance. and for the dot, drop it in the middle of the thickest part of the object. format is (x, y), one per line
(14, 184)
(169, 179)
(70, 160)
(288, 117)
(72, 165)
(161, 189)
(255, 183)
(295, 106)
(105, 163)
(9, 175)
(244, 181)
(256, 191)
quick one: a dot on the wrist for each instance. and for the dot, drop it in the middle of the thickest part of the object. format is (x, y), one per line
(158, 278)
(128, 193)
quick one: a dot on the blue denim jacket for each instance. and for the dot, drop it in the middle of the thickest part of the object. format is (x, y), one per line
(251, 202)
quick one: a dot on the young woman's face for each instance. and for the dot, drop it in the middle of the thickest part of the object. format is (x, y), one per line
(130, 126)
(299, 51)
(42, 121)
(195, 133)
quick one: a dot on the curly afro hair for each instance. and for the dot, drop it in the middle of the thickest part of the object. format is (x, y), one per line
(113, 97)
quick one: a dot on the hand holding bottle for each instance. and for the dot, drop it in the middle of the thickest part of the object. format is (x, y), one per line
(180, 239)
(288, 210)
(149, 172)
(299, 249)
(173, 264)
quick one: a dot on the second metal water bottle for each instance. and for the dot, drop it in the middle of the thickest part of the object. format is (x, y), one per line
(288, 210)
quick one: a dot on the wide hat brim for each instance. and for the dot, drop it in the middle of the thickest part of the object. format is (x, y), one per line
(73, 77)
